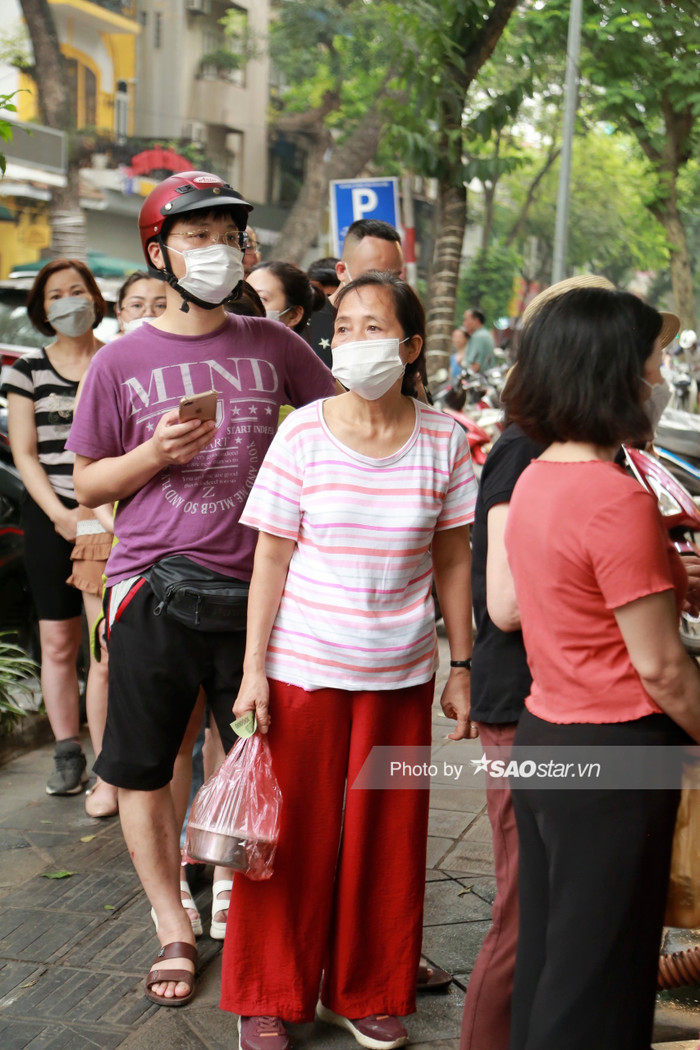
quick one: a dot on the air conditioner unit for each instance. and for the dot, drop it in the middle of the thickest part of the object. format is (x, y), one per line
(194, 130)
(200, 7)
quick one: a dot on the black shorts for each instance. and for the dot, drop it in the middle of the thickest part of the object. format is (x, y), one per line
(48, 564)
(156, 667)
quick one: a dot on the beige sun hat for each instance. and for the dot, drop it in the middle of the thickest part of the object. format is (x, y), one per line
(669, 328)
(581, 280)
(670, 324)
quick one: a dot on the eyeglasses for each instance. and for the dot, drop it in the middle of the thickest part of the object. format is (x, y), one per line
(137, 307)
(203, 237)
(251, 245)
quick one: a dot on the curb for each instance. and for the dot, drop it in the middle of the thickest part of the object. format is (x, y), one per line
(31, 731)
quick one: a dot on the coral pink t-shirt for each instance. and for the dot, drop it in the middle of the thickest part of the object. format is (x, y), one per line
(584, 539)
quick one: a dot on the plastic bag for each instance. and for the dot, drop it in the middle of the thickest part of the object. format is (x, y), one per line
(683, 904)
(235, 817)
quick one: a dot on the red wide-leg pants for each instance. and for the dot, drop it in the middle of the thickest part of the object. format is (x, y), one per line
(348, 906)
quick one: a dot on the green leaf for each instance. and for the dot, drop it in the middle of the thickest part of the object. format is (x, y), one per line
(57, 874)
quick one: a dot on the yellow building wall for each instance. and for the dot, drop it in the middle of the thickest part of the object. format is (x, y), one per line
(26, 100)
(23, 242)
(122, 49)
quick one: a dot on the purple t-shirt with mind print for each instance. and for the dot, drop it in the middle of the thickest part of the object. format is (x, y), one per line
(256, 365)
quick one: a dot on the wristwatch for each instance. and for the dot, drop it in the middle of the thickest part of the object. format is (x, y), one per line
(462, 663)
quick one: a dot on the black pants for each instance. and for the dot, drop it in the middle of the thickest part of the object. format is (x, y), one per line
(593, 878)
(48, 564)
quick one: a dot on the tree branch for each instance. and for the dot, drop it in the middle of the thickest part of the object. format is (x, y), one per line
(514, 233)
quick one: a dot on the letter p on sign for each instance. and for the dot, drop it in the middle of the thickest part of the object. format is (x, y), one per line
(364, 200)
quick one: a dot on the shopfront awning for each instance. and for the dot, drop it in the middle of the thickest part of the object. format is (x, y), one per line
(100, 264)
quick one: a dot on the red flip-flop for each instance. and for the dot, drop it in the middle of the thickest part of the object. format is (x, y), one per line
(432, 978)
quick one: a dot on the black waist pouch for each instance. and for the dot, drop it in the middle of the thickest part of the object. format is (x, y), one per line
(197, 597)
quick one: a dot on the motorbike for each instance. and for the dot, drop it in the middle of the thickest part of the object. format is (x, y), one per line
(677, 442)
(681, 518)
(482, 420)
(683, 387)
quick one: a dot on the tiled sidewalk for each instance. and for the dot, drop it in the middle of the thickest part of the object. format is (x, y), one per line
(74, 950)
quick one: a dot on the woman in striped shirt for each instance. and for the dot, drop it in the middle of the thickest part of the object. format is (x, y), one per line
(361, 499)
(66, 304)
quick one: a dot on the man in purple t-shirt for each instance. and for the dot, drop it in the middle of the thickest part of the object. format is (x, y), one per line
(181, 488)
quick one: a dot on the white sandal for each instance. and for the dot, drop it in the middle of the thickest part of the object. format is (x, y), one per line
(218, 929)
(189, 905)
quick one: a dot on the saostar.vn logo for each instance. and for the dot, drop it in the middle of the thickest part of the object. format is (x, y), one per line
(526, 768)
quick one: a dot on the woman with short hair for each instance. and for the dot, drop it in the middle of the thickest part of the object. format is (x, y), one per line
(66, 305)
(598, 589)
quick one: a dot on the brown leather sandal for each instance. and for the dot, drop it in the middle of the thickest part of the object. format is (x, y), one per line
(174, 950)
(432, 978)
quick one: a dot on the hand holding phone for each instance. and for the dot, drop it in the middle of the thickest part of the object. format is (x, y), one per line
(199, 406)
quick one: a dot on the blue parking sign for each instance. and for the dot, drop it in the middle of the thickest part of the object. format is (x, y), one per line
(353, 199)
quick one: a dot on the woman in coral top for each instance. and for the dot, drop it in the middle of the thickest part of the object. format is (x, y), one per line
(598, 588)
(361, 498)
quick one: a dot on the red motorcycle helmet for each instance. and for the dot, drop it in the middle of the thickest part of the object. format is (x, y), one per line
(187, 191)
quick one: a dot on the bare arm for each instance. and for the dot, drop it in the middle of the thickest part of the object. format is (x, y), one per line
(501, 601)
(272, 557)
(452, 567)
(23, 441)
(649, 627)
(105, 515)
(100, 481)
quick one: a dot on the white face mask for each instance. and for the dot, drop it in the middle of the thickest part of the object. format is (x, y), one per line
(211, 273)
(72, 315)
(136, 322)
(368, 366)
(656, 402)
(274, 315)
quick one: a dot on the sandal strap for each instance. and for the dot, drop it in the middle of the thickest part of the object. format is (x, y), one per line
(160, 976)
(186, 897)
(221, 886)
(178, 950)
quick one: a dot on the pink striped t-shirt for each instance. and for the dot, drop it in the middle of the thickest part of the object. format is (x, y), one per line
(356, 611)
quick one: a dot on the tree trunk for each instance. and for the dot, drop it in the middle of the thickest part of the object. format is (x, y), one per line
(303, 221)
(68, 229)
(68, 233)
(443, 282)
(476, 47)
(677, 151)
(345, 162)
(681, 272)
